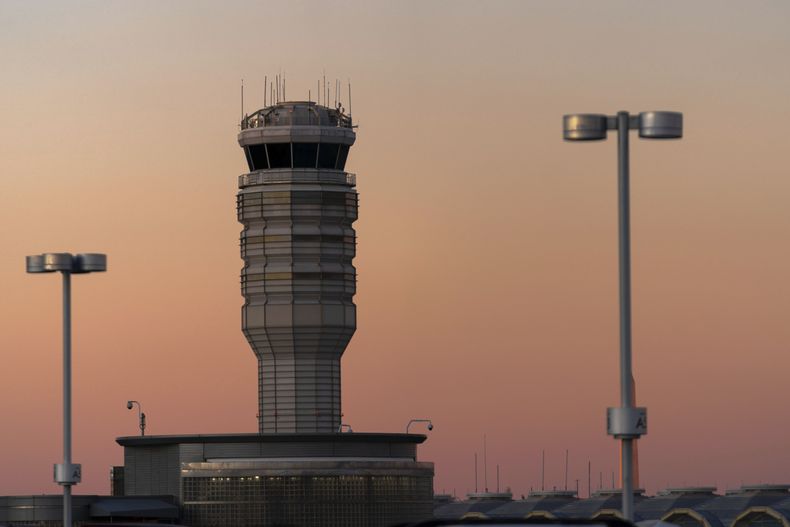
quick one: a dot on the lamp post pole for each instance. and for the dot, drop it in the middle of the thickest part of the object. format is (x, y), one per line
(67, 522)
(66, 473)
(627, 422)
(626, 376)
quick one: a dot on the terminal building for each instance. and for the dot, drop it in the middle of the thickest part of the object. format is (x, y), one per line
(748, 506)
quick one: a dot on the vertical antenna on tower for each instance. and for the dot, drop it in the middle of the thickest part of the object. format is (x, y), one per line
(497, 478)
(318, 90)
(242, 100)
(265, 78)
(349, 97)
(566, 469)
(485, 465)
(589, 478)
(325, 97)
(543, 470)
(284, 98)
(475, 472)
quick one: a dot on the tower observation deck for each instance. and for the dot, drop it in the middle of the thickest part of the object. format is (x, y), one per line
(297, 206)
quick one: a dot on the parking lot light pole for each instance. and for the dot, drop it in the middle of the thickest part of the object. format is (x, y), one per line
(67, 473)
(627, 422)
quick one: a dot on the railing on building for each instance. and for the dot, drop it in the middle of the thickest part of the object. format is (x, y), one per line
(297, 175)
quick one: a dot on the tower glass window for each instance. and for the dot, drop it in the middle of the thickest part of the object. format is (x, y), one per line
(327, 155)
(342, 156)
(256, 157)
(279, 155)
(305, 155)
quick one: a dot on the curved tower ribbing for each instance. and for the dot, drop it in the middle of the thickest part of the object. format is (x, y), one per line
(297, 206)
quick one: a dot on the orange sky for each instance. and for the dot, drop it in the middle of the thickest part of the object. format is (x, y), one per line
(486, 246)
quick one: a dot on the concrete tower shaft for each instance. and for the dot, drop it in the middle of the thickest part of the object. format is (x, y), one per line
(297, 206)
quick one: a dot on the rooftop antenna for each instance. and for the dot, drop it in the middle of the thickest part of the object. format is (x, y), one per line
(278, 87)
(265, 78)
(543, 471)
(318, 90)
(485, 464)
(242, 99)
(600, 480)
(589, 486)
(613, 480)
(566, 469)
(284, 88)
(337, 82)
(349, 97)
(497, 478)
(325, 97)
(475, 472)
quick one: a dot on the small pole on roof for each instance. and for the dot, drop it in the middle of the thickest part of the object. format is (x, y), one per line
(284, 87)
(349, 97)
(264, 90)
(475, 472)
(318, 90)
(543, 470)
(566, 469)
(242, 99)
(485, 464)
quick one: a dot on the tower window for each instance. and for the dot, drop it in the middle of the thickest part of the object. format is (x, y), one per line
(257, 157)
(279, 155)
(342, 156)
(305, 154)
(327, 155)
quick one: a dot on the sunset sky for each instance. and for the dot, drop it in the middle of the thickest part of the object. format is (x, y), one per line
(487, 246)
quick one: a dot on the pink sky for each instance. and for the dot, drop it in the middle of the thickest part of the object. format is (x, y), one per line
(486, 246)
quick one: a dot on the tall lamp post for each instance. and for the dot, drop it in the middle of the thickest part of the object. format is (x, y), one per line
(140, 414)
(627, 422)
(67, 473)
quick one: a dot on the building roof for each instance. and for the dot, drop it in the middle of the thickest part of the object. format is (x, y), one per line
(346, 437)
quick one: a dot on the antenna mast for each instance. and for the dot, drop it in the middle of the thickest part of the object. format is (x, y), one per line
(265, 78)
(242, 99)
(485, 465)
(543, 470)
(475, 472)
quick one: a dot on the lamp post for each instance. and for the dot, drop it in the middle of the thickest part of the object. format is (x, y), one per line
(430, 423)
(627, 422)
(140, 414)
(67, 473)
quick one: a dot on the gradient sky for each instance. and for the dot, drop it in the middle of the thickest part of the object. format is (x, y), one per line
(486, 245)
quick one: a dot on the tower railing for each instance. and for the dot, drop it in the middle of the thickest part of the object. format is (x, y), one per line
(279, 115)
(297, 175)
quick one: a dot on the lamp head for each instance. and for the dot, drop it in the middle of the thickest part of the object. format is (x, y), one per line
(90, 263)
(430, 426)
(66, 263)
(129, 405)
(661, 125)
(584, 127)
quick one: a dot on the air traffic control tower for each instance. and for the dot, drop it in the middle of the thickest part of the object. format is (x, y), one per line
(297, 206)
